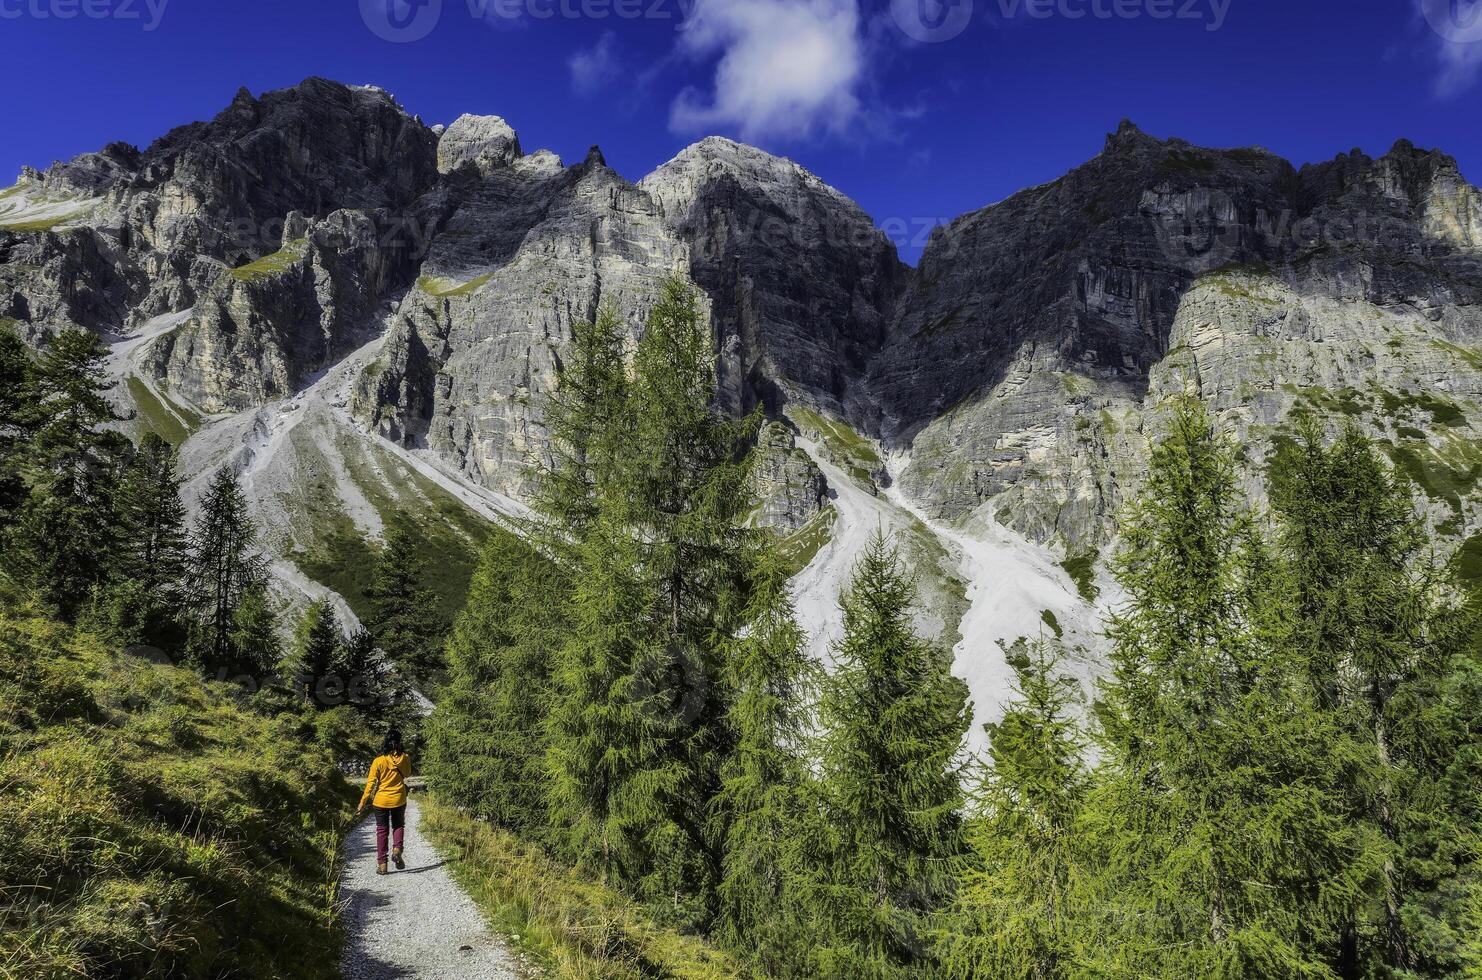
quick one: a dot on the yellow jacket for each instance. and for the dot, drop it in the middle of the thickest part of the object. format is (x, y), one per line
(388, 781)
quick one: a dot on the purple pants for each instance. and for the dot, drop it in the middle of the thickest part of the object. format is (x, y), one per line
(396, 820)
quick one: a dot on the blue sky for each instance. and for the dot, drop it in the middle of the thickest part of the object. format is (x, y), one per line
(990, 96)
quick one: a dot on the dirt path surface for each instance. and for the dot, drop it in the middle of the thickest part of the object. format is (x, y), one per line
(415, 924)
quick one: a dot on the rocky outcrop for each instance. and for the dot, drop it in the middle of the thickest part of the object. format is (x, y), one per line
(801, 280)
(789, 486)
(1021, 365)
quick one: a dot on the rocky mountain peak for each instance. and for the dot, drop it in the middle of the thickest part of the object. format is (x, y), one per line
(485, 143)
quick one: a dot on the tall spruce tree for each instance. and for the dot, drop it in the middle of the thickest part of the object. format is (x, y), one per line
(767, 795)
(225, 572)
(638, 730)
(1016, 914)
(894, 718)
(16, 394)
(1389, 663)
(403, 612)
(487, 741)
(66, 533)
(1223, 851)
(149, 570)
(318, 653)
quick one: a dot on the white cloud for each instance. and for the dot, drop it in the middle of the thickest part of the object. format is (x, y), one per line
(1461, 64)
(595, 67)
(1457, 26)
(787, 68)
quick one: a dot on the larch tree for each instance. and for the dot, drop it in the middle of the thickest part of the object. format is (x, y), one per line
(767, 796)
(1222, 851)
(893, 722)
(1016, 915)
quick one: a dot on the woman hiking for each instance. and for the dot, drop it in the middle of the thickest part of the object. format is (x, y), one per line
(386, 789)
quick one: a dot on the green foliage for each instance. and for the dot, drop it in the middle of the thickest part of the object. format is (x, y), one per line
(892, 841)
(318, 645)
(766, 795)
(1387, 652)
(403, 612)
(69, 464)
(225, 572)
(648, 496)
(1221, 847)
(570, 925)
(1017, 917)
(1081, 567)
(142, 805)
(487, 742)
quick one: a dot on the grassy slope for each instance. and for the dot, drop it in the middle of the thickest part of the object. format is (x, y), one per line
(153, 827)
(577, 928)
(342, 558)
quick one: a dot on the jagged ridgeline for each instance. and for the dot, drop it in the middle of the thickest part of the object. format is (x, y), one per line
(363, 313)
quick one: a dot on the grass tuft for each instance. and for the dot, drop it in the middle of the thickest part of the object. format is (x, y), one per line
(574, 927)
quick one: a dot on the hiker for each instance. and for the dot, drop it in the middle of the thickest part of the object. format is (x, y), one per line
(386, 789)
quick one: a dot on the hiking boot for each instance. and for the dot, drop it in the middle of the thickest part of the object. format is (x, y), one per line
(380, 867)
(396, 856)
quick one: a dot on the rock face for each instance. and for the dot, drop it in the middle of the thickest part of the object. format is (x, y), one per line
(1017, 373)
(789, 485)
(1030, 353)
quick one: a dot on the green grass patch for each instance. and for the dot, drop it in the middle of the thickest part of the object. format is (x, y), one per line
(1448, 472)
(1471, 355)
(154, 827)
(573, 926)
(441, 287)
(1443, 411)
(1081, 568)
(41, 224)
(799, 548)
(1467, 562)
(340, 556)
(1049, 618)
(281, 261)
(165, 419)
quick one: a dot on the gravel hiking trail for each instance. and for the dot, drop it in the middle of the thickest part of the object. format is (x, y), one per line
(415, 924)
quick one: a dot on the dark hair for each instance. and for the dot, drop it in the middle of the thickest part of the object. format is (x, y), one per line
(393, 741)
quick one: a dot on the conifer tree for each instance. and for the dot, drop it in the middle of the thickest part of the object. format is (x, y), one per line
(403, 613)
(16, 376)
(894, 718)
(583, 415)
(225, 571)
(253, 638)
(1388, 661)
(487, 743)
(1223, 851)
(66, 533)
(1016, 916)
(318, 650)
(637, 721)
(373, 686)
(150, 568)
(767, 796)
